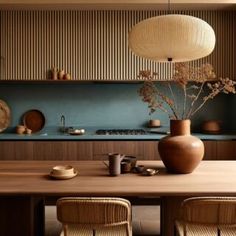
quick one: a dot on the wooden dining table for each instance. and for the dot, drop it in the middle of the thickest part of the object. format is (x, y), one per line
(25, 188)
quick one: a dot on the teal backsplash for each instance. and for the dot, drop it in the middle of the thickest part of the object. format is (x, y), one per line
(99, 105)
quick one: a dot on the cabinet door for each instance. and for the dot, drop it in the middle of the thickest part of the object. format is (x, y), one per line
(62, 150)
(226, 150)
(102, 148)
(151, 150)
(143, 150)
(210, 150)
(16, 150)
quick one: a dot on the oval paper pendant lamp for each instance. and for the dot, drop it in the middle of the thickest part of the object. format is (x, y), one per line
(173, 37)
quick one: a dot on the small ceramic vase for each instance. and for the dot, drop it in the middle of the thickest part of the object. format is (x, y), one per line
(67, 76)
(28, 131)
(61, 74)
(54, 74)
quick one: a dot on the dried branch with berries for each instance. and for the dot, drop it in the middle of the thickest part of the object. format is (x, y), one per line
(198, 85)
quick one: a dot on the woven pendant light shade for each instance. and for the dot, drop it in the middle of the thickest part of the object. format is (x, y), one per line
(172, 37)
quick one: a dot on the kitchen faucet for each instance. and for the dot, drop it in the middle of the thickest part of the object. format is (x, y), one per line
(63, 124)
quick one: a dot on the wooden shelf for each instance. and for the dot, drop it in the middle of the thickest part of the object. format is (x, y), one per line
(81, 81)
(118, 4)
(70, 82)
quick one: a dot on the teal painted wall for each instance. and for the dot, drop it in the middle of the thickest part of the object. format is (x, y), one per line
(99, 105)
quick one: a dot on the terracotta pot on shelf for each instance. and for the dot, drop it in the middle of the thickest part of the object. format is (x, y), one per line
(180, 151)
(212, 126)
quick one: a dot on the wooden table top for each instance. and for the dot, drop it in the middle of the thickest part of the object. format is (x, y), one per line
(31, 178)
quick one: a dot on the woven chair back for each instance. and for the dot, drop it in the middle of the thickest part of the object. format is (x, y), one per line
(106, 216)
(210, 210)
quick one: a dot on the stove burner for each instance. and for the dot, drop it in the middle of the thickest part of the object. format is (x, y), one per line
(120, 132)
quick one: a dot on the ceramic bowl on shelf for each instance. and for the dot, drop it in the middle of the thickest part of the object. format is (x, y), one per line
(154, 123)
(212, 127)
(76, 131)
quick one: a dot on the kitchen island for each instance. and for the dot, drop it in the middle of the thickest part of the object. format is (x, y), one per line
(24, 187)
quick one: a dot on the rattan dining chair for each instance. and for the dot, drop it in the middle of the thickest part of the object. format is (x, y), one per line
(94, 216)
(207, 216)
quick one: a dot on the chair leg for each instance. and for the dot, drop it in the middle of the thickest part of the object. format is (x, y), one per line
(94, 232)
(175, 231)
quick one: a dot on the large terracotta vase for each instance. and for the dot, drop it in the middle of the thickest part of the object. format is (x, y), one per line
(180, 151)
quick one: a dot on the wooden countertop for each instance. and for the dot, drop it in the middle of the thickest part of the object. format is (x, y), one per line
(31, 178)
(51, 133)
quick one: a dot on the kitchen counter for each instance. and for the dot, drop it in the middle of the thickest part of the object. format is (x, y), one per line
(51, 133)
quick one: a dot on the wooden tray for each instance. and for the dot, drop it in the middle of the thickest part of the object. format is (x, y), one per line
(5, 115)
(34, 120)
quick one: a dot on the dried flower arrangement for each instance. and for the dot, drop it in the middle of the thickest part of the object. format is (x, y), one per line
(193, 82)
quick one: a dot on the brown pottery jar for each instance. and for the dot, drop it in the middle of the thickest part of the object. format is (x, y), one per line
(180, 151)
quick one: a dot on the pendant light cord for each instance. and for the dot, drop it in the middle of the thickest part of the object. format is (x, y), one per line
(169, 10)
(169, 59)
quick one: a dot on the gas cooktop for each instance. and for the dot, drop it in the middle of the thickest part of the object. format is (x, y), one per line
(120, 132)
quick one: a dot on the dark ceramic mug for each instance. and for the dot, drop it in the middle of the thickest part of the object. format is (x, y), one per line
(125, 166)
(131, 159)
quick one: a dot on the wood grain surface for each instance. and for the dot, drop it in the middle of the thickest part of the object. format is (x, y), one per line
(31, 177)
(97, 150)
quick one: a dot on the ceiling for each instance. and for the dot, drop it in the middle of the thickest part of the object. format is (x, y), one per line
(120, 4)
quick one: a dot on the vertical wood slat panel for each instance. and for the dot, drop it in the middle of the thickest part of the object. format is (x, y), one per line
(93, 45)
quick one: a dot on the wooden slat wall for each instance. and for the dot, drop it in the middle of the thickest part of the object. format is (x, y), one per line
(93, 45)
